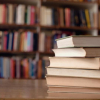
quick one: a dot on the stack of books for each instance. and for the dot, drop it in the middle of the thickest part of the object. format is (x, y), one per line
(74, 71)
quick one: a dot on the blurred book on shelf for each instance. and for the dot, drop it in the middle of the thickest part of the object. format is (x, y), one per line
(20, 67)
(68, 17)
(18, 14)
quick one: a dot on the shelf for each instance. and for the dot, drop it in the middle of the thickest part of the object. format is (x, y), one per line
(69, 28)
(65, 2)
(9, 26)
(20, 1)
(23, 52)
(46, 53)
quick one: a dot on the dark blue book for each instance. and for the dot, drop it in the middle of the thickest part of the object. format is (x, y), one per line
(53, 16)
(35, 39)
(83, 19)
(7, 42)
(2, 67)
(43, 69)
(12, 41)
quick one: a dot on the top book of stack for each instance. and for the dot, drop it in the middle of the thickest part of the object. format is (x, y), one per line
(78, 41)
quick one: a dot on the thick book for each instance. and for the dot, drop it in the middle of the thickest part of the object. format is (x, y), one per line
(79, 41)
(73, 72)
(77, 52)
(78, 63)
(64, 89)
(72, 81)
(67, 95)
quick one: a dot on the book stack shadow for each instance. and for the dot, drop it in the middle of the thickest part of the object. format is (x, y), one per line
(74, 71)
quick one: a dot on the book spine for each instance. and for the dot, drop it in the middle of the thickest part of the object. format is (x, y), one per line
(32, 21)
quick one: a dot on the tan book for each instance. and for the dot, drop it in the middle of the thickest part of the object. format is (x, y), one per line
(82, 63)
(11, 14)
(61, 16)
(73, 72)
(73, 89)
(95, 16)
(78, 41)
(43, 16)
(77, 52)
(74, 96)
(72, 81)
(1, 13)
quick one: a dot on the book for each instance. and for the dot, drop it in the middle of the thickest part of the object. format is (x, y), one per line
(73, 72)
(68, 89)
(72, 81)
(79, 63)
(78, 41)
(87, 18)
(66, 95)
(77, 52)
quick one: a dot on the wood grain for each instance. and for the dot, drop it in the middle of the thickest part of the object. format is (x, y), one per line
(22, 89)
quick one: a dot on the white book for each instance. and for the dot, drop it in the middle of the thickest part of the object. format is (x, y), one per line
(78, 63)
(23, 14)
(73, 72)
(20, 12)
(48, 16)
(77, 52)
(78, 41)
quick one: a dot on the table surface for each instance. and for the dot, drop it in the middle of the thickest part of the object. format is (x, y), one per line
(22, 89)
(25, 90)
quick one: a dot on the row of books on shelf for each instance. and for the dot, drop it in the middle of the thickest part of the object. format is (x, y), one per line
(17, 67)
(68, 17)
(28, 41)
(18, 14)
(22, 41)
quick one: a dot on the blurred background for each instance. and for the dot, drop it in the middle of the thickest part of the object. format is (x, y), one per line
(28, 29)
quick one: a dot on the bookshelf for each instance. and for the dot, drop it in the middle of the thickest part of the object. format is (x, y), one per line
(38, 28)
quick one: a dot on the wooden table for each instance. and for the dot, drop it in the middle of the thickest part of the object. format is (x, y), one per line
(24, 90)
